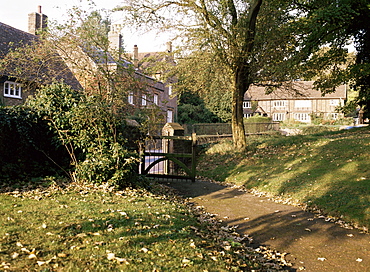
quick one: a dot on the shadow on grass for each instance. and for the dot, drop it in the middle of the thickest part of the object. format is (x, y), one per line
(329, 171)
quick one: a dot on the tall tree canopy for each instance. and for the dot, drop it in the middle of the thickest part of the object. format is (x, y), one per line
(245, 38)
(334, 24)
(262, 42)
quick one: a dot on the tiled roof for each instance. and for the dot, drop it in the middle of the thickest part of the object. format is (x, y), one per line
(292, 90)
(12, 37)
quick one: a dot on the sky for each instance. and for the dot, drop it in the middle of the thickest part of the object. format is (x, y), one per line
(15, 13)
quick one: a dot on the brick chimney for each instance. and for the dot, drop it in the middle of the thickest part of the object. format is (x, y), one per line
(135, 57)
(115, 39)
(37, 22)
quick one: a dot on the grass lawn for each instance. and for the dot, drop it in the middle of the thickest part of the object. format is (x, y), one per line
(328, 171)
(79, 228)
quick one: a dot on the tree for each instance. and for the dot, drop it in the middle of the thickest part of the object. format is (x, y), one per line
(89, 122)
(333, 24)
(246, 38)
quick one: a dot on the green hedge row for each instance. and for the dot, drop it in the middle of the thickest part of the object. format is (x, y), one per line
(26, 145)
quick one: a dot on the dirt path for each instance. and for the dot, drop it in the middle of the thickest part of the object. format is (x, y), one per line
(312, 243)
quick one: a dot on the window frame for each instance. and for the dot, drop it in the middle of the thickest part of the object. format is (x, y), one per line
(279, 103)
(12, 87)
(278, 117)
(143, 100)
(302, 117)
(247, 104)
(130, 98)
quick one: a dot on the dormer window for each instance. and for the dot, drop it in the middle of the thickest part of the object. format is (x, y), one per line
(12, 89)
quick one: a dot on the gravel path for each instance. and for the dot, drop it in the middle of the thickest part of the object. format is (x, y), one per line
(312, 243)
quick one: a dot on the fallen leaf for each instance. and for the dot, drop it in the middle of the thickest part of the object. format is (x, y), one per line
(122, 260)
(15, 255)
(111, 256)
(32, 256)
(359, 260)
(145, 250)
(321, 259)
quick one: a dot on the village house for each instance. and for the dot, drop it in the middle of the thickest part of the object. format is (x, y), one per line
(143, 63)
(297, 100)
(15, 92)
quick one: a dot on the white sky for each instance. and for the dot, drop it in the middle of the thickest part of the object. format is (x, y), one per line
(15, 13)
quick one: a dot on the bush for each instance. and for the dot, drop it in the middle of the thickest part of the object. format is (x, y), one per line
(92, 132)
(258, 119)
(26, 145)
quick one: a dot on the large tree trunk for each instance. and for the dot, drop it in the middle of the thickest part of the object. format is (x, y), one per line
(241, 85)
(242, 76)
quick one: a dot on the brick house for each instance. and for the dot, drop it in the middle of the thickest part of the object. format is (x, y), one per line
(13, 91)
(162, 92)
(297, 100)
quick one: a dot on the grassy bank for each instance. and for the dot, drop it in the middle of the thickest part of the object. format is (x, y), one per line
(329, 171)
(79, 228)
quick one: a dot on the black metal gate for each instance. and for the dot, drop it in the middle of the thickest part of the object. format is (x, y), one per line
(170, 157)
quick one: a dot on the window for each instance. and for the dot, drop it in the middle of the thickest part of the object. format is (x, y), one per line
(247, 115)
(12, 89)
(279, 103)
(247, 104)
(303, 104)
(169, 89)
(143, 100)
(169, 116)
(131, 98)
(278, 116)
(333, 116)
(334, 102)
(302, 117)
(155, 99)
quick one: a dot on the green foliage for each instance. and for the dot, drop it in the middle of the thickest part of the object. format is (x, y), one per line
(92, 133)
(26, 145)
(257, 119)
(192, 109)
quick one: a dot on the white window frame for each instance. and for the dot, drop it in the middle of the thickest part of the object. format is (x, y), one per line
(130, 98)
(302, 117)
(279, 103)
(247, 104)
(155, 99)
(12, 89)
(143, 100)
(169, 90)
(169, 116)
(247, 115)
(278, 116)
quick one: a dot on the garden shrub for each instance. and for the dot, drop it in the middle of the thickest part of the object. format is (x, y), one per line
(91, 129)
(26, 145)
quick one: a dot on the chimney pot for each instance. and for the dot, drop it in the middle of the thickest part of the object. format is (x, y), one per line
(39, 9)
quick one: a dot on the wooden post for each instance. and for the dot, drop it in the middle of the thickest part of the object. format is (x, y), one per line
(193, 156)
